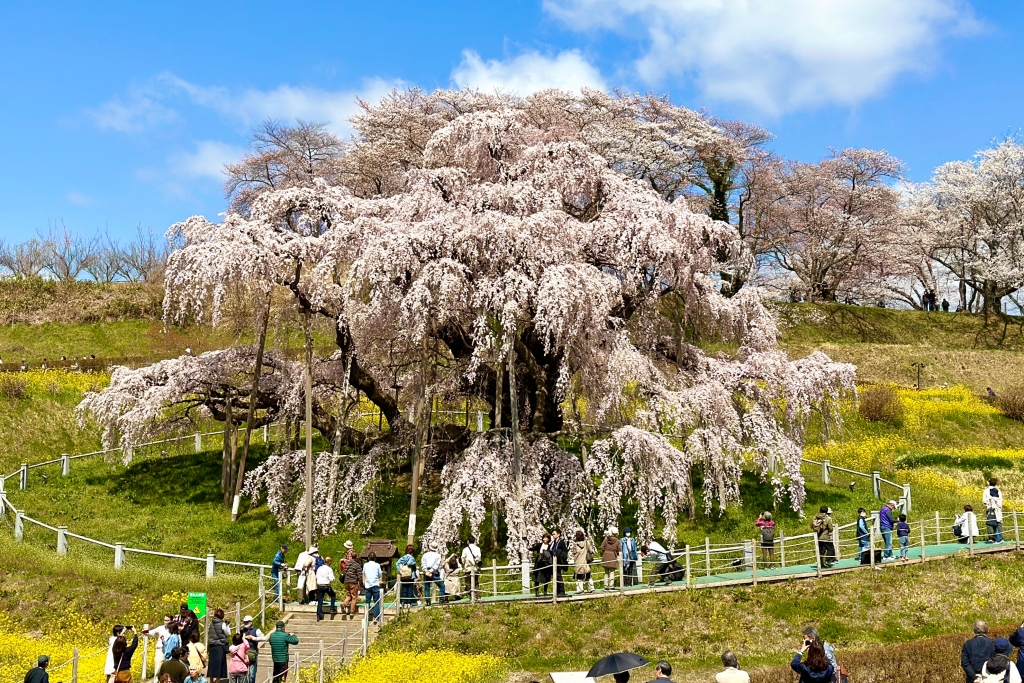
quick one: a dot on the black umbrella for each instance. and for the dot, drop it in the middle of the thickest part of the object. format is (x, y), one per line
(616, 664)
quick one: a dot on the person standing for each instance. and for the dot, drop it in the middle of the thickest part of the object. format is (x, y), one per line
(279, 641)
(277, 568)
(38, 673)
(470, 561)
(253, 637)
(766, 527)
(171, 642)
(863, 535)
(238, 660)
(542, 567)
(993, 502)
(371, 582)
(976, 651)
(195, 675)
(406, 568)
(197, 654)
(611, 550)
(109, 665)
(353, 581)
(582, 555)
(431, 565)
(822, 526)
(630, 555)
(123, 653)
(903, 534)
(999, 668)
(732, 672)
(159, 635)
(304, 566)
(187, 623)
(1017, 640)
(217, 646)
(324, 579)
(173, 667)
(886, 522)
(560, 559)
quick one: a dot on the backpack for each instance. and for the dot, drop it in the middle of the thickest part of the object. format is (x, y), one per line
(767, 534)
(405, 571)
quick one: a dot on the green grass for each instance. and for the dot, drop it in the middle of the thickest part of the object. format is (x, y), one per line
(691, 629)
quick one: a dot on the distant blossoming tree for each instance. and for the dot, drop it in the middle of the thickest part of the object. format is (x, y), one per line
(529, 256)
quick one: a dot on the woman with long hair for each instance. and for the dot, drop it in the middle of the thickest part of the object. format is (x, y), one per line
(123, 652)
(814, 667)
(582, 555)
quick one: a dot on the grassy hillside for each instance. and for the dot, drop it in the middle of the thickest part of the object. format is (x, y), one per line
(762, 625)
(956, 348)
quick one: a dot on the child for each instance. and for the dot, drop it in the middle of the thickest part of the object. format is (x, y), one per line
(903, 533)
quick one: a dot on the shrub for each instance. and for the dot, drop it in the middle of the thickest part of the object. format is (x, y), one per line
(13, 386)
(1011, 403)
(881, 404)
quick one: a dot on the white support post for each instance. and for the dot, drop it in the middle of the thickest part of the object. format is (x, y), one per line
(145, 652)
(817, 557)
(199, 442)
(65, 465)
(924, 552)
(19, 526)
(119, 556)
(479, 421)
(782, 550)
(906, 495)
(970, 541)
(938, 529)
(2, 480)
(263, 601)
(320, 668)
(871, 546)
(753, 561)
(494, 575)
(826, 472)
(687, 566)
(876, 484)
(525, 578)
(74, 667)
(23, 478)
(639, 564)
(554, 578)
(211, 563)
(62, 541)
(707, 556)
(771, 462)
(266, 433)
(1016, 532)
(835, 542)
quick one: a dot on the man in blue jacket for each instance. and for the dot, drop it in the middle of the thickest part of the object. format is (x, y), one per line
(976, 651)
(886, 522)
(277, 567)
(1017, 640)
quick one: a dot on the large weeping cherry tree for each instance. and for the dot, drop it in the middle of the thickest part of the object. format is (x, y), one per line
(534, 256)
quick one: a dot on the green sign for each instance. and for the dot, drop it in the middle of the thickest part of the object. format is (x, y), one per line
(197, 603)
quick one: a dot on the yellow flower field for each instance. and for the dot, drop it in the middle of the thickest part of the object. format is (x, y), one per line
(431, 666)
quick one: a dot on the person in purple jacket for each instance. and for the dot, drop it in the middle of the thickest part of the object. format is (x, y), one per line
(886, 522)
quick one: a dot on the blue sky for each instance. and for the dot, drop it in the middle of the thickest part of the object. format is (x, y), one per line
(121, 114)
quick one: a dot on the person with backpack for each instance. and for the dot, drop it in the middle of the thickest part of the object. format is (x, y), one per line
(430, 563)
(253, 637)
(766, 526)
(542, 566)
(999, 668)
(470, 561)
(353, 578)
(582, 555)
(993, 502)
(822, 527)
(630, 556)
(886, 522)
(406, 569)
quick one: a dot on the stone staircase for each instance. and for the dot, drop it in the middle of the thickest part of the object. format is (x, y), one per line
(340, 634)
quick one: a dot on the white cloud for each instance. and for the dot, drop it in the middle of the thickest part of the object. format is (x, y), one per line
(780, 55)
(207, 161)
(145, 106)
(138, 110)
(79, 199)
(527, 73)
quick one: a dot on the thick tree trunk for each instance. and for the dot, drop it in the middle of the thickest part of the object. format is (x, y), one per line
(253, 395)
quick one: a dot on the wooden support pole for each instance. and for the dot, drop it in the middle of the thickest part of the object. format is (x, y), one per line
(554, 578)
(622, 579)
(938, 529)
(871, 544)
(782, 550)
(494, 576)
(924, 552)
(753, 561)
(1016, 532)
(74, 667)
(320, 667)
(707, 556)
(817, 556)
(687, 566)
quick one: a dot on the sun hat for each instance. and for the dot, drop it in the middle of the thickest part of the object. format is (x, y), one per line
(246, 619)
(313, 550)
(348, 544)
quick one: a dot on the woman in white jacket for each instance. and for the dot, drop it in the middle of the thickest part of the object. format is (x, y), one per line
(993, 502)
(968, 523)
